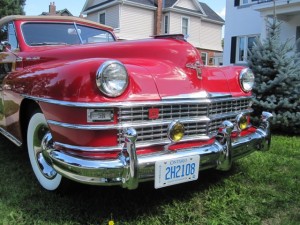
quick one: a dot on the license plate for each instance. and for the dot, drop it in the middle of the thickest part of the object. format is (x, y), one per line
(176, 171)
(95, 115)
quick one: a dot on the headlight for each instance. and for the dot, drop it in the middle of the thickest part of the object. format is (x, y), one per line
(112, 78)
(246, 79)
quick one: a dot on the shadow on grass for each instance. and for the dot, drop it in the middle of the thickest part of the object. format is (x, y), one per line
(83, 204)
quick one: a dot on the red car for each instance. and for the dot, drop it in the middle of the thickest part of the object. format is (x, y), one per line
(103, 112)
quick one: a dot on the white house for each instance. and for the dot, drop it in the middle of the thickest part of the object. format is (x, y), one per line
(136, 19)
(245, 20)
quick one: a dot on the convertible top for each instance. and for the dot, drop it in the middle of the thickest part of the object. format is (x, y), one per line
(52, 18)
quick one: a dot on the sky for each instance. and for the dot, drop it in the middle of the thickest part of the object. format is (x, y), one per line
(36, 7)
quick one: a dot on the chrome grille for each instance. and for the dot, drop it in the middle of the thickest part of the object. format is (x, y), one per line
(166, 112)
(199, 119)
(224, 107)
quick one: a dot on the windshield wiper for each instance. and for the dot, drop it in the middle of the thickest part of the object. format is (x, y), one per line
(48, 43)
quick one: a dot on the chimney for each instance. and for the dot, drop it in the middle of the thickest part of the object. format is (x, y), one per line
(52, 8)
(158, 17)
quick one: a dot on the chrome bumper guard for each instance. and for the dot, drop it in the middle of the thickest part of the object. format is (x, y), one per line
(129, 169)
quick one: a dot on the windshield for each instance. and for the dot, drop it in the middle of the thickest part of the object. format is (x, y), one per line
(36, 34)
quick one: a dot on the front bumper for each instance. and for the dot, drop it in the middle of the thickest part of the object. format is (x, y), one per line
(129, 169)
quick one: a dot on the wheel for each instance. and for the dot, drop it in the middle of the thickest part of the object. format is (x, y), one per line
(45, 174)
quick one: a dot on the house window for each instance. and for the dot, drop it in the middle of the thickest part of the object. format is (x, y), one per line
(166, 24)
(8, 36)
(243, 2)
(102, 18)
(204, 57)
(298, 38)
(185, 25)
(244, 44)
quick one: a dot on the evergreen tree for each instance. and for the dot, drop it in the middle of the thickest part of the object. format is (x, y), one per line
(11, 7)
(276, 66)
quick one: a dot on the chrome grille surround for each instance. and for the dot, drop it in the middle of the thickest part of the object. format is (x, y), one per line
(211, 109)
(201, 118)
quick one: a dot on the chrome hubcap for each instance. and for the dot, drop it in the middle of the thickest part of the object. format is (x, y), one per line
(40, 133)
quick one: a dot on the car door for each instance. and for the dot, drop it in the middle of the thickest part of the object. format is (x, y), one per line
(8, 45)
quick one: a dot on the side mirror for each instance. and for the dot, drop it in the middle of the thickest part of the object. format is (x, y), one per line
(5, 46)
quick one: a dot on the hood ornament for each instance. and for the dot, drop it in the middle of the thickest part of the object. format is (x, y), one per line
(195, 66)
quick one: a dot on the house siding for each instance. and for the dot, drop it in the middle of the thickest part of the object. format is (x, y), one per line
(135, 24)
(249, 20)
(188, 4)
(194, 27)
(111, 16)
(211, 36)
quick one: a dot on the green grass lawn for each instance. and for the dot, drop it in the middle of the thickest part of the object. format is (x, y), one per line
(263, 188)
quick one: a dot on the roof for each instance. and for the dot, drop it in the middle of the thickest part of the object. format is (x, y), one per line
(211, 14)
(144, 2)
(141, 2)
(58, 12)
(51, 18)
(97, 5)
(204, 9)
(169, 3)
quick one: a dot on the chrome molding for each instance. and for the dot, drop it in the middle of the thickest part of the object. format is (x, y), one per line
(9, 136)
(197, 95)
(58, 145)
(123, 125)
(136, 104)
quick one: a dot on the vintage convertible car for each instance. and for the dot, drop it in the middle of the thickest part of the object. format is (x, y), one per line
(103, 112)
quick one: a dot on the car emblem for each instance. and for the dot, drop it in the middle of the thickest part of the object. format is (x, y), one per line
(195, 66)
(153, 113)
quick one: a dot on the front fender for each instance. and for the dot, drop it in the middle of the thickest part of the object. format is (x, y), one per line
(76, 81)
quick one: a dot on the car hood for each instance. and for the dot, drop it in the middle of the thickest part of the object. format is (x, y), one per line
(158, 68)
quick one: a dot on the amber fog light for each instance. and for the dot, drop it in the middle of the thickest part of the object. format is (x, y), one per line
(242, 122)
(176, 131)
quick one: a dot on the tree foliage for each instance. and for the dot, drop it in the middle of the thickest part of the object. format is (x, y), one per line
(276, 66)
(11, 7)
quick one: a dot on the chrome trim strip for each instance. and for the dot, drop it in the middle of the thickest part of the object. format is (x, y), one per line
(9, 136)
(87, 149)
(119, 147)
(125, 125)
(197, 95)
(136, 125)
(226, 115)
(129, 104)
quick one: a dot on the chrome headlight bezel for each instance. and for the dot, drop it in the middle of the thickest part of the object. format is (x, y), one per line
(112, 78)
(246, 79)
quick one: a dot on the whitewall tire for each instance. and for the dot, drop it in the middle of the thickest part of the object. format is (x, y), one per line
(45, 174)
